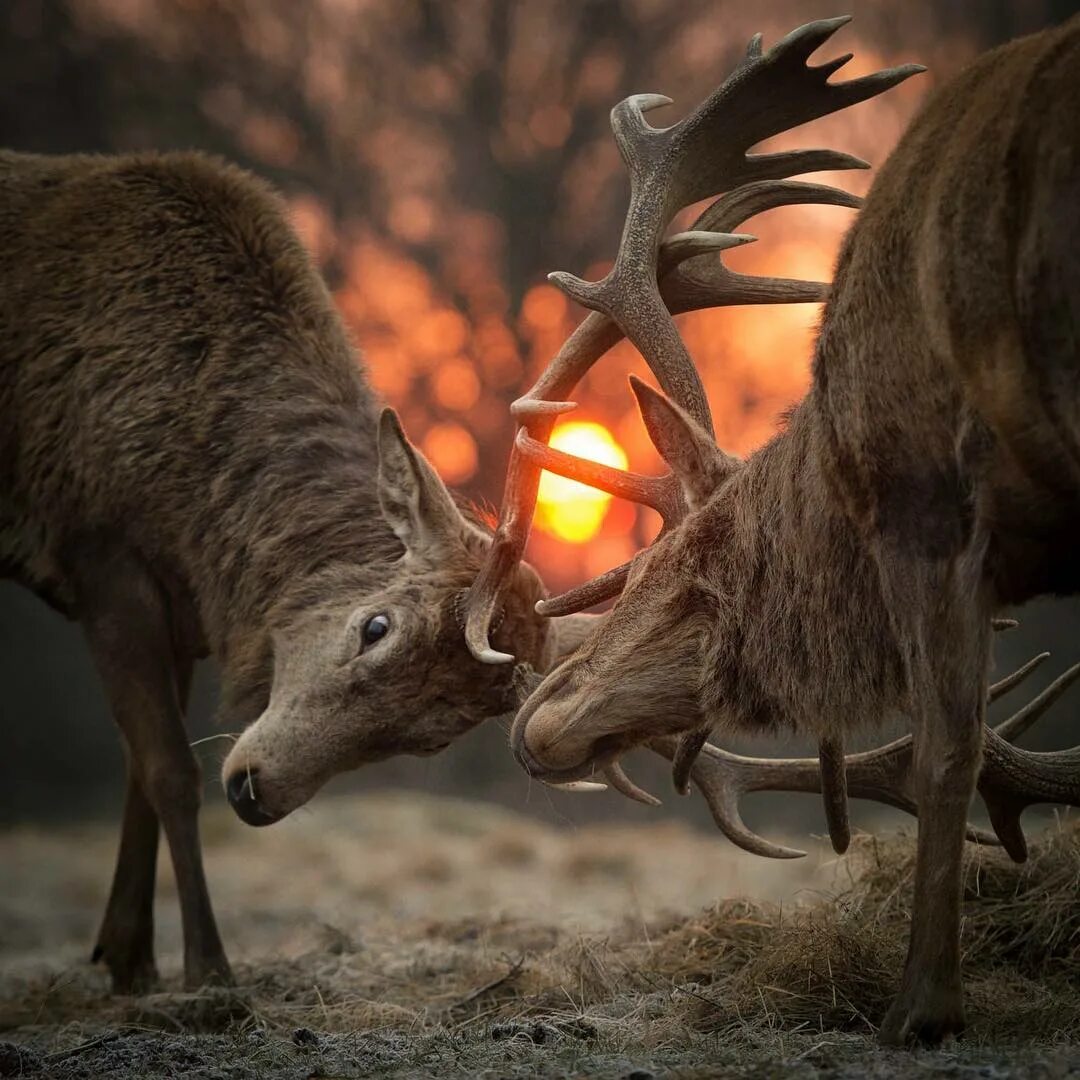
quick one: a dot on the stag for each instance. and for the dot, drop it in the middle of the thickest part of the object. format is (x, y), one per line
(192, 463)
(850, 569)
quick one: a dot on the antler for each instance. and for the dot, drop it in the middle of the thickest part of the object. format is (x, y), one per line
(1011, 778)
(834, 766)
(651, 280)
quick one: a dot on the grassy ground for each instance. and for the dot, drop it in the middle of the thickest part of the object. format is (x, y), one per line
(408, 936)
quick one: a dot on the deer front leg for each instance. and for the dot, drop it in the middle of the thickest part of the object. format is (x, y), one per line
(125, 618)
(125, 941)
(930, 1004)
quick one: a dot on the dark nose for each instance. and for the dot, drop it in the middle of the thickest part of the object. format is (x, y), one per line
(241, 790)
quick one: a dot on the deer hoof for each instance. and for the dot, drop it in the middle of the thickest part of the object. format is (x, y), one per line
(923, 1017)
(200, 971)
(132, 971)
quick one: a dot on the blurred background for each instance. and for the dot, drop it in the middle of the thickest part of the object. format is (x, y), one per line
(438, 160)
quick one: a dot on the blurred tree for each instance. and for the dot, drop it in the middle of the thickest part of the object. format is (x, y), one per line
(441, 158)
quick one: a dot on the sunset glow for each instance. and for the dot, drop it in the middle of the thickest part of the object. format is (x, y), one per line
(565, 508)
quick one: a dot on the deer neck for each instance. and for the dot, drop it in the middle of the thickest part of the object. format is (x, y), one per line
(294, 515)
(807, 642)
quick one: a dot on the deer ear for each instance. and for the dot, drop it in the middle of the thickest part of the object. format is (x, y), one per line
(693, 455)
(414, 500)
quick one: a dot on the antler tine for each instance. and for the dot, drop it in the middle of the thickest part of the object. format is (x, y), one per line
(622, 783)
(722, 777)
(1015, 726)
(654, 491)
(833, 768)
(700, 283)
(694, 242)
(702, 155)
(686, 753)
(734, 207)
(594, 591)
(1011, 778)
(1003, 686)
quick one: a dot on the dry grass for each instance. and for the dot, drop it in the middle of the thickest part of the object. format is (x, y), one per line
(473, 947)
(833, 964)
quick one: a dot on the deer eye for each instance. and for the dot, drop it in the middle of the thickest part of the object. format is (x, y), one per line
(375, 629)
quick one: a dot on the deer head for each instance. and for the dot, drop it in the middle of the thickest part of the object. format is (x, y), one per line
(642, 677)
(363, 662)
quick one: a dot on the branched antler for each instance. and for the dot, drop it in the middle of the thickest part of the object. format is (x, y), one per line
(834, 765)
(653, 278)
(1011, 778)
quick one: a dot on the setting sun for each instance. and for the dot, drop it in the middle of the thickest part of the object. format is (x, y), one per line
(569, 510)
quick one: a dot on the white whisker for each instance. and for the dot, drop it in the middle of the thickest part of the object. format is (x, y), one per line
(220, 735)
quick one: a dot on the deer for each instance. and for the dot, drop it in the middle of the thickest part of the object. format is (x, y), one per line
(853, 568)
(193, 464)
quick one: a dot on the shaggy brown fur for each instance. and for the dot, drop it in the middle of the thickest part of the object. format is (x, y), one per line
(849, 569)
(192, 463)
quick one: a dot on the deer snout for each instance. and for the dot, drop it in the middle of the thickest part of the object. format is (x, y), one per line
(548, 738)
(242, 790)
(266, 774)
(552, 743)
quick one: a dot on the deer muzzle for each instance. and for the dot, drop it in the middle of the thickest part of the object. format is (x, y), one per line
(552, 739)
(271, 770)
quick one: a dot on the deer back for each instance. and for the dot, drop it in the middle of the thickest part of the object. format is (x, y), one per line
(156, 309)
(945, 378)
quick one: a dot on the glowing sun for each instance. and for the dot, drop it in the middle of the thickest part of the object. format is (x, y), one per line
(570, 510)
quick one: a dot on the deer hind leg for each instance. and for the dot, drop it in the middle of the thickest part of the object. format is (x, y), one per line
(125, 618)
(948, 682)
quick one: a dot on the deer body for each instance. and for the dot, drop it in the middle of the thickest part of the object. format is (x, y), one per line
(946, 370)
(850, 568)
(192, 463)
(132, 366)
